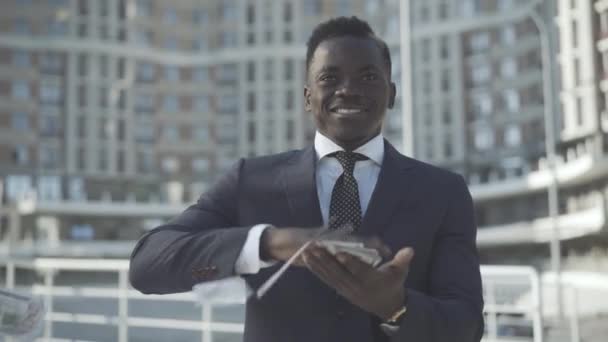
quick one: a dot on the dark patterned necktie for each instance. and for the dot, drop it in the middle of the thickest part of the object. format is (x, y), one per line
(345, 208)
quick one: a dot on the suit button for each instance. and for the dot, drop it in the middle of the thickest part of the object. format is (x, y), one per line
(340, 313)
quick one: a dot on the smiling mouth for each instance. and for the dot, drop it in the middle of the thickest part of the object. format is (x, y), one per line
(348, 110)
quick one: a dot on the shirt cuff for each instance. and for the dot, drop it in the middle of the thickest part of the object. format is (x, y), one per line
(249, 261)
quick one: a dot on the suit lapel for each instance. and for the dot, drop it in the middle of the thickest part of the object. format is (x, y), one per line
(392, 191)
(301, 189)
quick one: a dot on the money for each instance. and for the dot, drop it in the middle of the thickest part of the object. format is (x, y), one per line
(20, 315)
(357, 249)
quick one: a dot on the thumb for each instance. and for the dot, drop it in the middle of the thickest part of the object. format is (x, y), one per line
(401, 261)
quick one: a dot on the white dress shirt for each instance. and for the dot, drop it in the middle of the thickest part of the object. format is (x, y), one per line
(328, 170)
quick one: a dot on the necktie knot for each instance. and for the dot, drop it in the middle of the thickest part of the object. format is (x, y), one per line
(348, 159)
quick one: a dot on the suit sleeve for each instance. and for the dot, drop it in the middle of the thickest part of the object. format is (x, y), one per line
(201, 244)
(451, 311)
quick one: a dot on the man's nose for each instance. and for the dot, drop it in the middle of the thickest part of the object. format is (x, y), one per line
(347, 88)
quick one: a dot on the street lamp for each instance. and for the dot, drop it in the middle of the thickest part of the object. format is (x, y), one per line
(550, 146)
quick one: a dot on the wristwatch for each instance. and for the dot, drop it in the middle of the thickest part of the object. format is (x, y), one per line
(397, 316)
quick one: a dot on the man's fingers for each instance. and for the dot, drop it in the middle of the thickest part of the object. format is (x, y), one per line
(324, 265)
(377, 244)
(401, 261)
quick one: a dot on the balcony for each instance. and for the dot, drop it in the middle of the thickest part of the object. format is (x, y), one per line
(571, 225)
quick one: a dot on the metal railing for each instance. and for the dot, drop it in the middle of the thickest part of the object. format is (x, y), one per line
(511, 294)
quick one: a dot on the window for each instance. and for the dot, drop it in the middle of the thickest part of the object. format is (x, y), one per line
(200, 165)
(201, 133)
(21, 26)
(228, 39)
(312, 7)
(200, 44)
(171, 43)
(512, 135)
(50, 93)
(144, 102)
(144, 132)
(50, 125)
(146, 71)
(21, 58)
(172, 73)
(18, 186)
(445, 47)
(170, 164)
(171, 132)
(143, 7)
(574, 34)
(579, 111)
(201, 74)
(505, 4)
(479, 41)
(227, 73)
(20, 122)
(445, 80)
(251, 102)
(199, 17)
(170, 16)
(20, 90)
(508, 34)
(251, 71)
(145, 161)
(484, 138)
(511, 98)
(289, 70)
(228, 11)
(50, 62)
(49, 157)
(481, 73)
(227, 104)
(170, 104)
(201, 103)
(483, 104)
(21, 155)
(508, 68)
(58, 28)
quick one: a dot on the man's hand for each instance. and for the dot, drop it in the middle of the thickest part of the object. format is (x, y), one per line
(379, 291)
(281, 243)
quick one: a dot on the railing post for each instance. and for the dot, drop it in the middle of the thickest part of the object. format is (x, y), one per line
(10, 275)
(492, 320)
(123, 306)
(49, 275)
(207, 335)
(537, 303)
(575, 335)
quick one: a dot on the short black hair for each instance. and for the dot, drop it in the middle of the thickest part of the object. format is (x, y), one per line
(340, 27)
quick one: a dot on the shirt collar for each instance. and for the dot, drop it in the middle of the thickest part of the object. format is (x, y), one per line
(373, 149)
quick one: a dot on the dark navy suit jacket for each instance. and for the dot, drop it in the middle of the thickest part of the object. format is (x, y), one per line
(414, 204)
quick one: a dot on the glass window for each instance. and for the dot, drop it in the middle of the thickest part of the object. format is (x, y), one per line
(508, 68)
(20, 122)
(199, 17)
(508, 34)
(201, 74)
(200, 165)
(227, 73)
(50, 125)
(20, 90)
(228, 39)
(21, 58)
(144, 7)
(512, 135)
(144, 102)
(483, 104)
(144, 132)
(49, 187)
(49, 156)
(58, 28)
(21, 154)
(201, 133)
(21, 26)
(145, 161)
(171, 43)
(170, 16)
(480, 41)
(170, 164)
(481, 73)
(511, 98)
(171, 132)
(170, 103)
(228, 11)
(50, 62)
(172, 73)
(18, 186)
(228, 104)
(76, 191)
(484, 138)
(200, 44)
(50, 93)
(201, 103)
(312, 7)
(146, 71)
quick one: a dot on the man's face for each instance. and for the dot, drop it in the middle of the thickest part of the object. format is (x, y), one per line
(349, 89)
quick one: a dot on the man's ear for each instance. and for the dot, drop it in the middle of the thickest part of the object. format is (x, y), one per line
(392, 95)
(307, 106)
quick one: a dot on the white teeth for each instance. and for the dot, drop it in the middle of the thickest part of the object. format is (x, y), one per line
(347, 110)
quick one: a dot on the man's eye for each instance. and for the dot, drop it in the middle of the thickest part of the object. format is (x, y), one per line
(327, 78)
(370, 77)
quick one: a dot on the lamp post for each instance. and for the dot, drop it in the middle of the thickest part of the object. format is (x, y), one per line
(550, 146)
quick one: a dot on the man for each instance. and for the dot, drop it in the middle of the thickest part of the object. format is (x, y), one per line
(259, 213)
